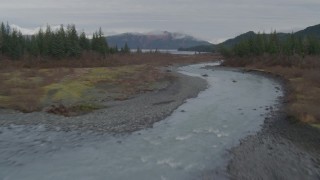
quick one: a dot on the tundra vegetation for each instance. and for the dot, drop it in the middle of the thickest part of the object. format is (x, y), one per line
(295, 58)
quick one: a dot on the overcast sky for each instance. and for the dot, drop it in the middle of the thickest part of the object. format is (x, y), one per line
(212, 20)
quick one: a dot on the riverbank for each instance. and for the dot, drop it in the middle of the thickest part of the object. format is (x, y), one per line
(283, 149)
(191, 141)
(302, 75)
(125, 116)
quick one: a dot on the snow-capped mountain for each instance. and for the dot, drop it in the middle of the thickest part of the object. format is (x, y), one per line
(155, 40)
(26, 31)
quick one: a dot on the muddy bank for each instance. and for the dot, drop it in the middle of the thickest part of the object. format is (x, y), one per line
(283, 149)
(130, 115)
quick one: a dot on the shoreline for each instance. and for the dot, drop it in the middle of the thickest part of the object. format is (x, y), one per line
(139, 112)
(282, 149)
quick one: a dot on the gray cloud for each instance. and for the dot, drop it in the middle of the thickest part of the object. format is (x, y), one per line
(212, 20)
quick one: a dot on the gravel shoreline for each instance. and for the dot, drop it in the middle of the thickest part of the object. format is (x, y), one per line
(134, 114)
(283, 149)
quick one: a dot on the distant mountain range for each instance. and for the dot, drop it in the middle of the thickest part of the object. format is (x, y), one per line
(168, 40)
(152, 40)
(26, 31)
(155, 40)
(309, 31)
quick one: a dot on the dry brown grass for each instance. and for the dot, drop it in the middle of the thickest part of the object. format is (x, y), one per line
(21, 89)
(27, 85)
(303, 75)
(93, 60)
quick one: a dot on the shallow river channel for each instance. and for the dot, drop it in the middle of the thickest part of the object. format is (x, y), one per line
(190, 144)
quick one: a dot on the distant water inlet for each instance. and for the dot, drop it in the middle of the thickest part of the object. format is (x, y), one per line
(168, 51)
(189, 144)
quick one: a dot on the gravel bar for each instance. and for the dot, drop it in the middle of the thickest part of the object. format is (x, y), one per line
(134, 114)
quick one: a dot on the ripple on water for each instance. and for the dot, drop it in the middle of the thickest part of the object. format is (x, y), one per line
(182, 138)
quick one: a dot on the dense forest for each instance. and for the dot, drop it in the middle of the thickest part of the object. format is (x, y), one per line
(274, 44)
(62, 43)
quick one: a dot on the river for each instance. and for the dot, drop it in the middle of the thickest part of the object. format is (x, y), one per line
(191, 143)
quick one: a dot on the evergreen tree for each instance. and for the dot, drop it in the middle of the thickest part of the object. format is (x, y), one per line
(47, 41)
(15, 48)
(33, 47)
(126, 48)
(1, 38)
(139, 51)
(40, 42)
(84, 42)
(273, 44)
(72, 42)
(226, 52)
(99, 43)
(116, 49)
(103, 45)
(299, 46)
(259, 45)
(242, 49)
(58, 44)
(4, 38)
(313, 46)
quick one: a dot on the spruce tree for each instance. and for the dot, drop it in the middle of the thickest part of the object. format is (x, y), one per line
(58, 43)
(1, 38)
(47, 41)
(126, 48)
(84, 42)
(99, 43)
(40, 42)
(73, 48)
(103, 45)
(34, 47)
(139, 51)
(14, 45)
(4, 38)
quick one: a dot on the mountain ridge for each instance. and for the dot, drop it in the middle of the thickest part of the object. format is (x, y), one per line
(158, 40)
(309, 31)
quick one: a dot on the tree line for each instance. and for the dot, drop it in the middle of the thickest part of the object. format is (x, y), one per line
(274, 44)
(61, 43)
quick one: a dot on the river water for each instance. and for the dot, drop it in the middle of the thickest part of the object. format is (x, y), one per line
(190, 144)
